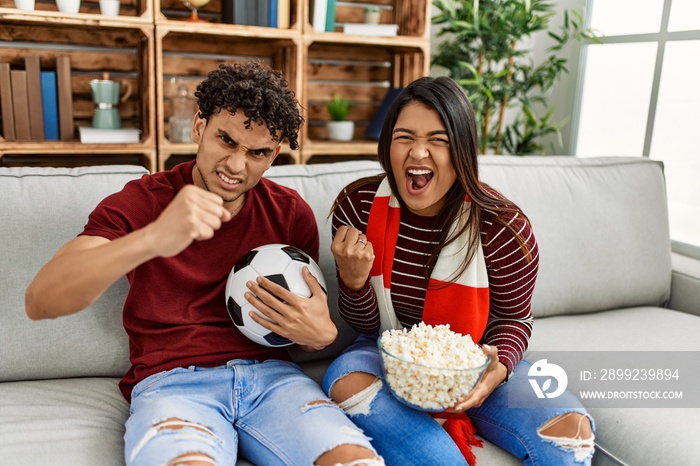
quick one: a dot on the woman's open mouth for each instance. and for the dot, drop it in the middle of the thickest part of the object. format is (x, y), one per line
(417, 180)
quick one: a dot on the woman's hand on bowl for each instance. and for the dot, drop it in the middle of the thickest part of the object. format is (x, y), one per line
(492, 377)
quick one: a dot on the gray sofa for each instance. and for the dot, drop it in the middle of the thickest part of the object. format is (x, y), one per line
(608, 282)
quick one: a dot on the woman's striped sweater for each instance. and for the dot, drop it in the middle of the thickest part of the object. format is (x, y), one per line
(511, 276)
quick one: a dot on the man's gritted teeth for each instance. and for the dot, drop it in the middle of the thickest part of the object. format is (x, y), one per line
(419, 177)
(228, 180)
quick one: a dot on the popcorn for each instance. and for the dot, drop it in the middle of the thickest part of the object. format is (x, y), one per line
(431, 367)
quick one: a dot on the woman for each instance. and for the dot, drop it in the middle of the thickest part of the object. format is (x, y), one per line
(430, 242)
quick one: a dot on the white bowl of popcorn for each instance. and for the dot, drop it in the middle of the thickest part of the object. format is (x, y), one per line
(430, 368)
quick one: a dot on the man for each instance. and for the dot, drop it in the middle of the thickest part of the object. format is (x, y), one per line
(198, 388)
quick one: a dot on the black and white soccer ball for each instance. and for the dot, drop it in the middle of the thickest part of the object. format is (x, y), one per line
(279, 263)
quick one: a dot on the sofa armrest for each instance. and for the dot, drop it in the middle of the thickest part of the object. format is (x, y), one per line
(685, 284)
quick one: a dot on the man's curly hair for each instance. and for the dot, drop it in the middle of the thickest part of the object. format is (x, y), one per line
(259, 91)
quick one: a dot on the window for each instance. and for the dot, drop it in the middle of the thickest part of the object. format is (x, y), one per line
(640, 96)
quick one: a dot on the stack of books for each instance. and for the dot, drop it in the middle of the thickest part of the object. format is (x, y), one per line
(36, 104)
(266, 13)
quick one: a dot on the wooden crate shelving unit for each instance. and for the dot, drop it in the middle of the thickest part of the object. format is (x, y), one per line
(167, 47)
(121, 46)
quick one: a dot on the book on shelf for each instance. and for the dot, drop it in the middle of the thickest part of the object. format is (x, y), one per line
(8, 116)
(90, 135)
(36, 111)
(319, 9)
(330, 16)
(364, 29)
(246, 12)
(284, 14)
(262, 15)
(64, 86)
(272, 11)
(20, 103)
(49, 100)
(227, 12)
(252, 12)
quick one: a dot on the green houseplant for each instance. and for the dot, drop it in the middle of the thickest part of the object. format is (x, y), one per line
(339, 128)
(338, 107)
(480, 49)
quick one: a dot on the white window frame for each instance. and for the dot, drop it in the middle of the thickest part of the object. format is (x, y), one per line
(661, 38)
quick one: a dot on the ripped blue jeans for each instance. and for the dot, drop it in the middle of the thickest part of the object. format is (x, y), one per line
(401, 434)
(268, 411)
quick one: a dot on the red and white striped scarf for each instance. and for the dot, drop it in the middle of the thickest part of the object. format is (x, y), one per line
(464, 303)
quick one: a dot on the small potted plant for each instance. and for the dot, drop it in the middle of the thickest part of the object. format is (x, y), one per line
(372, 15)
(339, 129)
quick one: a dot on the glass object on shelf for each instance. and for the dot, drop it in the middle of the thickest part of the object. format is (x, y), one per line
(183, 110)
(193, 5)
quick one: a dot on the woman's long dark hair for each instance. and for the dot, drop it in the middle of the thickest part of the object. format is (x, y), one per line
(447, 98)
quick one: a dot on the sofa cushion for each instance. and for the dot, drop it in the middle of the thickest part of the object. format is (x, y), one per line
(633, 329)
(646, 436)
(62, 422)
(43, 208)
(601, 224)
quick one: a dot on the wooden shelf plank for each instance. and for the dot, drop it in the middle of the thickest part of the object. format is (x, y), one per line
(406, 42)
(229, 30)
